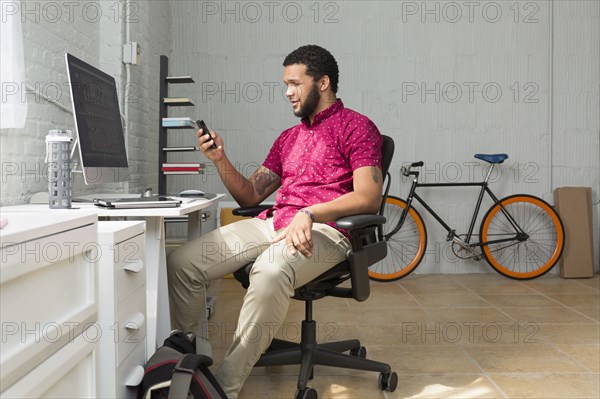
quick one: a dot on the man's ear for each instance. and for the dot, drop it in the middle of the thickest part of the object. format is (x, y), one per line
(324, 83)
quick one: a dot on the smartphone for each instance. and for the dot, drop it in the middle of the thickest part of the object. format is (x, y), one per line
(205, 130)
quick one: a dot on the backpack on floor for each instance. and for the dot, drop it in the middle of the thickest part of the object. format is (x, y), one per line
(175, 371)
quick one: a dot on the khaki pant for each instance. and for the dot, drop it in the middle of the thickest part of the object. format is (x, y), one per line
(275, 275)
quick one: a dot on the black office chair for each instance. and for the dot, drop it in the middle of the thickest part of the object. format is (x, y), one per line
(368, 247)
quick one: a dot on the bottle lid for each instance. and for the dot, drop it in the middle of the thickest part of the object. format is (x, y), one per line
(59, 135)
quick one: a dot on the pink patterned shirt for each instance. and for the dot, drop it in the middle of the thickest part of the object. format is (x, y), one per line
(315, 162)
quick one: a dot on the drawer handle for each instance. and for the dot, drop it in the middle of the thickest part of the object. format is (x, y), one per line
(135, 377)
(134, 267)
(136, 322)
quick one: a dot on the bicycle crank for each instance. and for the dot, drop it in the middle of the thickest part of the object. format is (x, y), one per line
(462, 250)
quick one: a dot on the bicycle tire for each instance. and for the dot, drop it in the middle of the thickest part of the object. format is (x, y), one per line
(406, 248)
(533, 257)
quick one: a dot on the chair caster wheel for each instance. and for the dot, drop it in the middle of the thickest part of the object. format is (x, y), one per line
(307, 393)
(388, 381)
(361, 351)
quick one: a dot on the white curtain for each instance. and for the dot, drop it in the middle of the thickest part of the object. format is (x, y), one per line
(13, 104)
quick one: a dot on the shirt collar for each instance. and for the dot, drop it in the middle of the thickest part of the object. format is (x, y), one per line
(326, 113)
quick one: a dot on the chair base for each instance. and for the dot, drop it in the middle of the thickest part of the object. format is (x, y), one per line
(308, 353)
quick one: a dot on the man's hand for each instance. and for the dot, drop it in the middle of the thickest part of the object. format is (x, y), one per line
(298, 235)
(205, 142)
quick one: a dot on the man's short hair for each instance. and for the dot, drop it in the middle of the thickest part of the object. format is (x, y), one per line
(319, 62)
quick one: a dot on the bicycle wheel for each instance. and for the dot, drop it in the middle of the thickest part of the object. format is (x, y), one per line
(406, 248)
(531, 254)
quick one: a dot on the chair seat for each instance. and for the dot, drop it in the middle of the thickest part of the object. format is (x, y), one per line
(308, 353)
(324, 285)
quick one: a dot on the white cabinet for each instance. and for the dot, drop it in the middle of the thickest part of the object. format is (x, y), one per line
(48, 305)
(122, 307)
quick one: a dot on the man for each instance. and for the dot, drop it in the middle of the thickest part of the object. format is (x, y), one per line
(326, 167)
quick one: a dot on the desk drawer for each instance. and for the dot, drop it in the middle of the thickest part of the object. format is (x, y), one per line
(130, 372)
(69, 373)
(130, 266)
(47, 299)
(131, 323)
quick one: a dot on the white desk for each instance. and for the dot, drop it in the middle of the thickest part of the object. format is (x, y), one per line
(157, 305)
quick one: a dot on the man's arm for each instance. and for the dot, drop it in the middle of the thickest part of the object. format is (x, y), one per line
(247, 192)
(366, 198)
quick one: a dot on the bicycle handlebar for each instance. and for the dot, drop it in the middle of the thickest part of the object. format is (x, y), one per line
(406, 170)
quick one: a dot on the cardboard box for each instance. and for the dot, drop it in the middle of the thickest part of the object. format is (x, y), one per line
(228, 217)
(574, 205)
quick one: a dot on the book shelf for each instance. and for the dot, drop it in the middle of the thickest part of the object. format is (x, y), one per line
(164, 103)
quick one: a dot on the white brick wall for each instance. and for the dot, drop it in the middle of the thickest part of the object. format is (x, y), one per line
(93, 31)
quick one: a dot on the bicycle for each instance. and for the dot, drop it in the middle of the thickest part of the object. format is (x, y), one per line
(521, 236)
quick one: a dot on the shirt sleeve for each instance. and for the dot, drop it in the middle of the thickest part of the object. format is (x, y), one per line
(363, 144)
(273, 160)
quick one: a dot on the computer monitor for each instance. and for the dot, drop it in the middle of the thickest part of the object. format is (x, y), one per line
(98, 125)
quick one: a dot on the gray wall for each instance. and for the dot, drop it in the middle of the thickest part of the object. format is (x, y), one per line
(445, 79)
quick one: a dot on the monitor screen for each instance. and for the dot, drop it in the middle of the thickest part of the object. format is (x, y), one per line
(97, 122)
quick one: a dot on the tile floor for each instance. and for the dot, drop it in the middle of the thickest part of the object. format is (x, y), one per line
(447, 336)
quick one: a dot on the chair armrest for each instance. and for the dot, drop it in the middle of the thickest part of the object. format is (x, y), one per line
(251, 210)
(353, 222)
(356, 222)
(366, 250)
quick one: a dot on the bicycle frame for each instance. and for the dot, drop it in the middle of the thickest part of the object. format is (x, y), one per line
(452, 236)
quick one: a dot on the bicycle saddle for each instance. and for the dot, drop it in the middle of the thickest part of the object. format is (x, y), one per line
(492, 158)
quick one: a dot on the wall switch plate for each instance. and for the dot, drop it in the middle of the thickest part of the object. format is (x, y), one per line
(131, 53)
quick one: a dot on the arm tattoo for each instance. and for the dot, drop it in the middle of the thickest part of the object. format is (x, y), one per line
(262, 180)
(375, 174)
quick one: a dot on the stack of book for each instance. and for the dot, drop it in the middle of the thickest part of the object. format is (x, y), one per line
(181, 101)
(179, 79)
(182, 148)
(178, 122)
(177, 168)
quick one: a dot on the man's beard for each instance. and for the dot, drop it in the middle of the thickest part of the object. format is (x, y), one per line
(310, 104)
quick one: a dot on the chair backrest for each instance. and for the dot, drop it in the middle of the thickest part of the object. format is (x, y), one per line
(387, 153)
